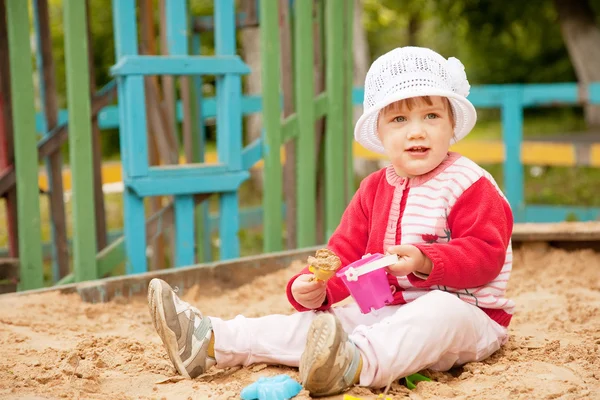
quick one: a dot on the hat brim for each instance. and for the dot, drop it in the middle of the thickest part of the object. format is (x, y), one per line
(465, 116)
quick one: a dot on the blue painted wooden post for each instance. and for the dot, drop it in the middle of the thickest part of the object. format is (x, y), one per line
(229, 126)
(512, 134)
(133, 115)
(177, 43)
(202, 209)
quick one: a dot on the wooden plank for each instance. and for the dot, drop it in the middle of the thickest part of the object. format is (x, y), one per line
(168, 85)
(306, 160)
(148, 47)
(6, 135)
(203, 239)
(80, 141)
(271, 119)
(57, 137)
(9, 268)
(334, 138)
(233, 273)
(168, 108)
(319, 68)
(7, 155)
(348, 106)
(287, 84)
(177, 33)
(54, 160)
(110, 257)
(561, 231)
(229, 126)
(114, 254)
(23, 108)
(99, 210)
(207, 24)
(223, 275)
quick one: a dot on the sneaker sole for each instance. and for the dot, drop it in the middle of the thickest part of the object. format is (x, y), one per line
(320, 354)
(157, 313)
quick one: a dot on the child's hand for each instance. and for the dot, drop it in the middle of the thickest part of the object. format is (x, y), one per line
(310, 294)
(410, 259)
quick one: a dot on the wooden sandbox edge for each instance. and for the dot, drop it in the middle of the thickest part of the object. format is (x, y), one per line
(557, 232)
(227, 274)
(234, 273)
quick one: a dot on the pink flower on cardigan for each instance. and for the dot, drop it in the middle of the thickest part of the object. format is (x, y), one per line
(428, 238)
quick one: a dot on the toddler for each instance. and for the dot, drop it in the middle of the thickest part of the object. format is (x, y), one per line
(440, 213)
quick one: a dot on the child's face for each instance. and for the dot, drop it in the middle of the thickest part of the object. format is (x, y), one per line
(416, 135)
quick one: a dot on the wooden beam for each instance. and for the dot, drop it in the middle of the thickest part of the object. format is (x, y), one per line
(9, 268)
(207, 24)
(114, 254)
(319, 71)
(287, 84)
(560, 232)
(57, 137)
(222, 275)
(53, 160)
(9, 275)
(148, 47)
(23, 111)
(6, 135)
(234, 273)
(80, 141)
(100, 212)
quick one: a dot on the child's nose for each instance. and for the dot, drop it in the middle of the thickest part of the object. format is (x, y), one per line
(416, 131)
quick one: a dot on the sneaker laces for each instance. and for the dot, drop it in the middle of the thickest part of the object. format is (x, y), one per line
(184, 305)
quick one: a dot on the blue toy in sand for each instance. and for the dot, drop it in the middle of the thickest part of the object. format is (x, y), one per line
(278, 387)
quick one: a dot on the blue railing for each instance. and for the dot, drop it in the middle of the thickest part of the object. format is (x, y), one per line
(510, 99)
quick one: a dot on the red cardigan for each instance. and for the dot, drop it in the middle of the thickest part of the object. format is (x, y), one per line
(481, 223)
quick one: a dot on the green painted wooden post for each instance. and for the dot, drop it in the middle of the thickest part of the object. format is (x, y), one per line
(269, 35)
(306, 162)
(334, 139)
(80, 140)
(25, 143)
(348, 116)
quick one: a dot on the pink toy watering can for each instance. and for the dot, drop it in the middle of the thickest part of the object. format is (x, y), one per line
(367, 281)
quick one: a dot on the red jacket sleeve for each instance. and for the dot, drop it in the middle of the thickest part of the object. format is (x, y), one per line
(481, 224)
(348, 242)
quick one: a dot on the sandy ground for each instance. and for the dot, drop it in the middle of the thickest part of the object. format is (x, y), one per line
(55, 346)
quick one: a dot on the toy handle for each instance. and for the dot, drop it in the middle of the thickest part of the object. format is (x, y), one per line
(352, 274)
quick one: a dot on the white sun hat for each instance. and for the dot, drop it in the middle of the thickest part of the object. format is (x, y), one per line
(412, 72)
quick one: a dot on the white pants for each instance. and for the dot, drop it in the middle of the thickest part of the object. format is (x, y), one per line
(436, 331)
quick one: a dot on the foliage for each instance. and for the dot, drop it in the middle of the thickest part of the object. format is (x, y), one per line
(500, 42)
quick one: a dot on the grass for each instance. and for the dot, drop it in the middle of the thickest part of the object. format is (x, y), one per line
(552, 122)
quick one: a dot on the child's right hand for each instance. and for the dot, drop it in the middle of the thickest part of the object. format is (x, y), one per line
(309, 294)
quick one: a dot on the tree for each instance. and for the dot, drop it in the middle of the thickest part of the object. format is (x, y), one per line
(582, 38)
(528, 42)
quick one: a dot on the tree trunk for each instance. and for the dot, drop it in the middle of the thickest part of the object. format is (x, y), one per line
(582, 38)
(362, 167)
(414, 24)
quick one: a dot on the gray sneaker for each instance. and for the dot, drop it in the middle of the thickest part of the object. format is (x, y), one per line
(330, 361)
(182, 329)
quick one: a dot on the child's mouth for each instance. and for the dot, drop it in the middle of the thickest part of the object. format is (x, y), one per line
(418, 150)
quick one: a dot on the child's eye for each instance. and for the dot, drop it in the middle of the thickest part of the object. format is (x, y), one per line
(431, 116)
(399, 119)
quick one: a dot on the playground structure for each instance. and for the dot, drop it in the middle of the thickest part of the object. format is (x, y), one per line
(149, 138)
(150, 149)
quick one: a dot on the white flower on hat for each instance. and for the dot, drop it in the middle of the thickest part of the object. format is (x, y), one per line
(458, 76)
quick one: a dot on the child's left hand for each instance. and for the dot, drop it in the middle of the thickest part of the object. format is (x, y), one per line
(410, 259)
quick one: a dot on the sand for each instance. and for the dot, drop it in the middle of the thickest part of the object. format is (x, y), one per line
(56, 346)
